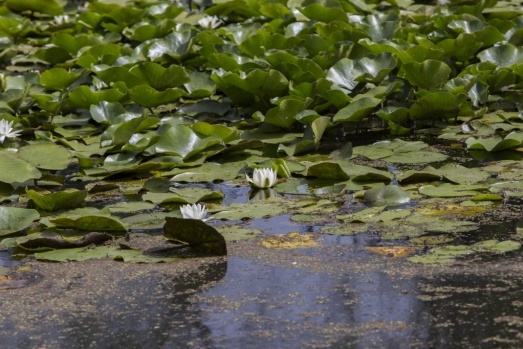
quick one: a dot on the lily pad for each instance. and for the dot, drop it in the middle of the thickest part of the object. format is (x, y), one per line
(101, 252)
(442, 255)
(89, 219)
(13, 219)
(258, 209)
(449, 190)
(196, 234)
(495, 246)
(71, 198)
(235, 233)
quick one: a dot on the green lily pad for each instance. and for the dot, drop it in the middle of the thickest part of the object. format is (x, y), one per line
(357, 109)
(148, 97)
(182, 140)
(495, 246)
(449, 190)
(208, 172)
(89, 219)
(428, 240)
(270, 207)
(48, 7)
(437, 105)
(48, 156)
(16, 170)
(442, 255)
(345, 229)
(429, 74)
(147, 221)
(190, 195)
(70, 198)
(101, 252)
(58, 79)
(496, 143)
(196, 234)
(235, 233)
(462, 175)
(502, 55)
(133, 206)
(13, 219)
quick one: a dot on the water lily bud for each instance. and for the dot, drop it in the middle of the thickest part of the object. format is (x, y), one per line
(3, 83)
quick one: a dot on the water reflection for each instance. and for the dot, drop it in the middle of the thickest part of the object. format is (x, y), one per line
(155, 311)
(270, 306)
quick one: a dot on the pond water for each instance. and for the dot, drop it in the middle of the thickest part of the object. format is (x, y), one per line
(334, 295)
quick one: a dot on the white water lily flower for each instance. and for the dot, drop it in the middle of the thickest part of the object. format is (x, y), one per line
(195, 211)
(263, 178)
(6, 130)
(210, 22)
(61, 20)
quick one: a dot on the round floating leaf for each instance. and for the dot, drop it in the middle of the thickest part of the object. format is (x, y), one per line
(190, 195)
(148, 97)
(258, 209)
(442, 255)
(429, 74)
(447, 191)
(13, 219)
(84, 97)
(58, 79)
(182, 140)
(195, 233)
(234, 233)
(133, 206)
(327, 170)
(70, 198)
(149, 220)
(101, 252)
(89, 219)
(503, 55)
(416, 157)
(47, 156)
(437, 105)
(341, 74)
(16, 170)
(496, 143)
(284, 115)
(388, 195)
(208, 172)
(494, 246)
(357, 109)
(324, 13)
(462, 175)
(49, 7)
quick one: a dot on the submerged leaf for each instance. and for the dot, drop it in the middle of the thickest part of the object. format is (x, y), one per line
(388, 195)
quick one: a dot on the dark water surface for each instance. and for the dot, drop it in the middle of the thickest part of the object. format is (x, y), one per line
(336, 295)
